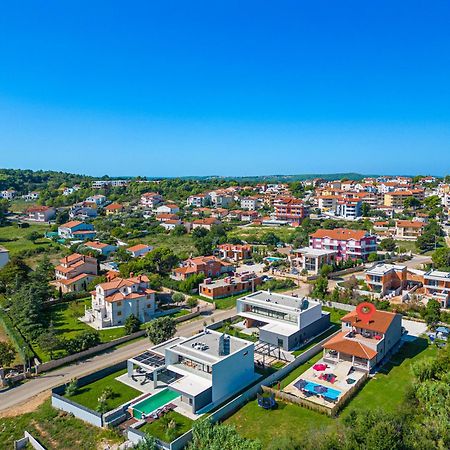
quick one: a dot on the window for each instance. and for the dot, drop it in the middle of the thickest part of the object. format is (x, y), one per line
(149, 305)
(119, 304)
(119, 313)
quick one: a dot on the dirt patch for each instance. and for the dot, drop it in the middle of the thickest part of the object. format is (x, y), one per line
(43, 433)
(28, 406)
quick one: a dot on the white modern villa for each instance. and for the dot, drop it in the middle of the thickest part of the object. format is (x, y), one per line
(282, 320)
(114, 301)
(200, 371)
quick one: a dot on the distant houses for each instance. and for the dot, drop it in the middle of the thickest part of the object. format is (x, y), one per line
(76, 230)
(40, 213)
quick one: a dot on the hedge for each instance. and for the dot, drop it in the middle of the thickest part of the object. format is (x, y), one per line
(22, 347)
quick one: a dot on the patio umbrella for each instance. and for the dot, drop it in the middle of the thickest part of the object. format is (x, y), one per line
(319, 367)
(300, 384)
(320, 389)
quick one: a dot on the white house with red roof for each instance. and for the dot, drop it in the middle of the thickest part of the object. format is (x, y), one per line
(139, 250)
(151, 199)
(75, 272)
(101, 247)
(364, 344)
(114, 301)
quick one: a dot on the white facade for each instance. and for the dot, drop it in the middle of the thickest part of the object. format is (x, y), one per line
(250, 204)
(97, 199)
(4, 256)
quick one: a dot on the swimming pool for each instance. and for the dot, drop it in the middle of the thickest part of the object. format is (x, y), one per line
(273, 258)
(329, 393)
(153, 402)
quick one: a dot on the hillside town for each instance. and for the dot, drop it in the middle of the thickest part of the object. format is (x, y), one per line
(134, 308)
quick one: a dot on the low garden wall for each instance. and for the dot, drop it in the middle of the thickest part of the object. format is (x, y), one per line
(28, 440)
(80, 411)
(135, 436)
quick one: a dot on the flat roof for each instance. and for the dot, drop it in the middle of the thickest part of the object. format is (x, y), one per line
(190, 384)
(381, 269)
(281, 300)
(161, 348)
(205, 346)
(314, 251)
(437, 274)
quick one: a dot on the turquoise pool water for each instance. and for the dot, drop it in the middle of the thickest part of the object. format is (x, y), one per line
(330, 393)
(153, 402)
(273, 258)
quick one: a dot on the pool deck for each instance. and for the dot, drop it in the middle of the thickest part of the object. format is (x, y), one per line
(340, 370)
(147, 388)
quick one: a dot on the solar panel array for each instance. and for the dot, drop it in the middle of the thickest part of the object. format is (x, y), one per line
(150, 359)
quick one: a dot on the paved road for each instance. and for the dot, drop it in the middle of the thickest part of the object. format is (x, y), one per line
(44, 382)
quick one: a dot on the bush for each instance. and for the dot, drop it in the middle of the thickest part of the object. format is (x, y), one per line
(132, 324)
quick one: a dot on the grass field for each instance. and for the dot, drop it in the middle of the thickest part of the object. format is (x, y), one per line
(386, 390)
(88, 395)
(55, 430)
(159, 428)
(14, 238)
(254, 234)
(182, 245)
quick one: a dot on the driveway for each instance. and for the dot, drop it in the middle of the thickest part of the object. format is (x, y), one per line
(414, 328)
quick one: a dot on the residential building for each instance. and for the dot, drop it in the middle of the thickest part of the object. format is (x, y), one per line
(139, 250)
(114, 301)
(209, 266)
(348, 208)
(206, 223)
(102, 248)
(41, 213)
(205, 369)
(168, 208)
(386, 278)
(104, 184)
(151, 200)
(221, 198)
(311, 259)
(282, 320)
(289, 209)
(114, 208)
(31, 196)
(198, 200)
(408, 229)
(4, 256)
(70, 190)
(251, 203)
(233, 252)
(75, 272)
(364, 344)
(76, 230)
(436, 285)
(170, 224)
(231, 285)
(98, 199)
(396, 198)
(164, 217)
(348, 244)
(82, 211)
(8, 194)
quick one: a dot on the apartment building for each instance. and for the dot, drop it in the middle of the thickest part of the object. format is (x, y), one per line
(348, 208)
(282, 320)
(231, 285)
(114, 301)
(76, 230)
(41, 213)
(221, 198)
(289, 209)
(233, 252)
(250, 203)
(385, 278)
(396, 199)
(364, 344)
(98, 199)
(151, 200)
(198, 200)
(348, 244)
(408, 229)
(436, 284)
(209, 266)
(104, 184)
(75, 272)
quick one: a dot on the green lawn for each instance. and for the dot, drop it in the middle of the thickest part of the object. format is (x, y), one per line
(14, 238)
(386, 390)
(253, 234)
(88, 395)
(223, 303)
(55, 430)
(159, 428)
(182, 245)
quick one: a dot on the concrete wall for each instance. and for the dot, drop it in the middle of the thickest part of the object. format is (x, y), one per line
(231, 374)
(28, 439)
(79, 411)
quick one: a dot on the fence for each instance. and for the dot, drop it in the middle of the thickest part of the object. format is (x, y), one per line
(27, 440)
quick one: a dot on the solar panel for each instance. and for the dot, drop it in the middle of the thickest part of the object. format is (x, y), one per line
(150, 359)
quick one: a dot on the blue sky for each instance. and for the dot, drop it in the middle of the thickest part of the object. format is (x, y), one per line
(171, 88)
